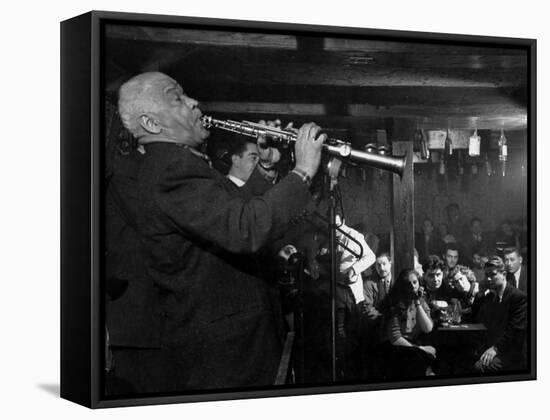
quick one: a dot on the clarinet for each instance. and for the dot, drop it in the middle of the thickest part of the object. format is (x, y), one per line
(334, 147)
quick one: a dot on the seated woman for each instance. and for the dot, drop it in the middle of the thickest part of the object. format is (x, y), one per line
(407, 319)
(464, 281)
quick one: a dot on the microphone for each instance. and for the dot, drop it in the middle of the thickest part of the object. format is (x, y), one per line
(290, 257)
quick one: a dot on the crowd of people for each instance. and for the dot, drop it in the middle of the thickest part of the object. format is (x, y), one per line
(471, 239)
(212, 259)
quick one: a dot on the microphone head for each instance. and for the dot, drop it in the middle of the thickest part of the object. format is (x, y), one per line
(287, 251)
(295, 259)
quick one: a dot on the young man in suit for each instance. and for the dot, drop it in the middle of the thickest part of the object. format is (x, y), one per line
(376, 289)
(516, 272)
(503, 310)
(473, 240)
(200, 236)
(451, 257)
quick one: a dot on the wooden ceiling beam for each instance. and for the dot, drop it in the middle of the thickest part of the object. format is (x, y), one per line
(264, 108)
(408, 45)
(289, 42)
(201, 37)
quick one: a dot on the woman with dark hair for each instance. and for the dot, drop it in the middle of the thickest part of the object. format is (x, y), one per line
(407, 319)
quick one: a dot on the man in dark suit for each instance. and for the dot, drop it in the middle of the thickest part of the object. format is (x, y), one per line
(427, 242)
(200, 236)
(376, 290)
(455, 223)
(516, 272)
(377, 287)
(244, 157)
(475, 239)
(132, 317)
(503, 310)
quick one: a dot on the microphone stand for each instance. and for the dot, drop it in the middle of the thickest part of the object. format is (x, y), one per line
(333, 168)
(299, 315)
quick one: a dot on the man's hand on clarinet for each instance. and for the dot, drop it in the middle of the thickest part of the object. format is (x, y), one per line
(308, 149)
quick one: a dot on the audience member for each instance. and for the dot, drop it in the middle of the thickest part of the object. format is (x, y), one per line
(454, 221)
(450, 256)
(435, 288)
(503, 310)
(408, 319)
(516, 273)
(479, 258)
(378, 286)
(464, 282)
(427, 242)
(505, 237)
(474, 239)
(444, 235)
(438, 293)
(244, 158)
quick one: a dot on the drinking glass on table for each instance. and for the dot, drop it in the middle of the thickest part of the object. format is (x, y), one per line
(455, 310)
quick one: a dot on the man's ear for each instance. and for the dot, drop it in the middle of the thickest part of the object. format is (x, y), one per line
(234, 160)
(149, 124)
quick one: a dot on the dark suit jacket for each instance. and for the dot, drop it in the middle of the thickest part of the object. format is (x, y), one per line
(132, 311)
(506, 322)
(200, 236)
(469, 244)
(522, 279)
(375, 296)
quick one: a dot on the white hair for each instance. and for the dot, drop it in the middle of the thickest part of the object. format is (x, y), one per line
(139, 96)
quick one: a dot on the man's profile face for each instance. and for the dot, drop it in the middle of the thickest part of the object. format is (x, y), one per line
(178, 114)
(243, 165)
(451, 257)
(383, 266)
(495, 278)
(434, 278)
(512, 262)
(477, 261)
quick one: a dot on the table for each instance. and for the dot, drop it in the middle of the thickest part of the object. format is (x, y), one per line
(457, 346)
(462, 328)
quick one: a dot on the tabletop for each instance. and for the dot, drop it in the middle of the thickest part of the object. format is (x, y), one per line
(462, 327)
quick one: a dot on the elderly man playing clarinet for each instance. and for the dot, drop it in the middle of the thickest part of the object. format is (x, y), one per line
(200, 237)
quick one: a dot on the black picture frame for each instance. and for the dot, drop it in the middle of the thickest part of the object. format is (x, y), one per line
(82, 186)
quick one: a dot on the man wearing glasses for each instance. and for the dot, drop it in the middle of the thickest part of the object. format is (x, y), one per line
(503, 310)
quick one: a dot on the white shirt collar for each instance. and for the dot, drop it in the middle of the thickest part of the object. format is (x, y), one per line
(517, 274)
(237, 181)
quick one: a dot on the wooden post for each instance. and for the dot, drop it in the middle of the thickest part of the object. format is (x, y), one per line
(402, 227)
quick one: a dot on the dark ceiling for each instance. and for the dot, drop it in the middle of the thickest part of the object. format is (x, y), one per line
(349, 85)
